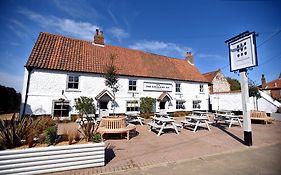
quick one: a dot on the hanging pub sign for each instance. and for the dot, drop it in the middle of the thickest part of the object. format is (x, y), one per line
(242, 51)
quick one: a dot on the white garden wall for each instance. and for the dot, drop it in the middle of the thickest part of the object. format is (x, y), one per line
(52, 159)
(233, 101)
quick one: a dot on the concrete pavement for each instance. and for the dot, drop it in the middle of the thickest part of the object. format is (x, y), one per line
(147, 150)
(263, 160)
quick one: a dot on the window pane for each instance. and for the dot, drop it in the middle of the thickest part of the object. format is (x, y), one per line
(70, 78)
(76, 79)
(75, 85)
(134, 82)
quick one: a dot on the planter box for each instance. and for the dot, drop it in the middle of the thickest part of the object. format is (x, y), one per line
(52, 159)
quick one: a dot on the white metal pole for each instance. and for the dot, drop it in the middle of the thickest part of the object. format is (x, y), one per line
(245, 105)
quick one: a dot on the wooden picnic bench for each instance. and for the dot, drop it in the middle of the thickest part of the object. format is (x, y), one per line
(261, 116)
(115, 125)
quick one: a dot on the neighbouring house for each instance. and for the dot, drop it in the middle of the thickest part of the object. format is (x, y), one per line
(60, 69)
(217, 81)
(222, 98)
(272, 88)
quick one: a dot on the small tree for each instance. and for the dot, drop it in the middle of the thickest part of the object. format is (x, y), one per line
(147, 104)
(254, 92)
(111, 78)
(85, 105)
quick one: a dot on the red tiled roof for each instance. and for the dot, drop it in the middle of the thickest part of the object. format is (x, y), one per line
(274, 84)
(68, 54)
(210, 75)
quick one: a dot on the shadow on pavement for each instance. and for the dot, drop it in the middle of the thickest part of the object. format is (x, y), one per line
(223, 128)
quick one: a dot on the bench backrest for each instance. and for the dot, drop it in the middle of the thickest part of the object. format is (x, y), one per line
(258, 114)
(113, 123)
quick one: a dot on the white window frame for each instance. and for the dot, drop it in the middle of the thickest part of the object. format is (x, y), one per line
(135, 105)
(178, 89)
(58, 101)
(198, 102)
(67, 81)
(132, 80)
(180, 106)
(201, 88)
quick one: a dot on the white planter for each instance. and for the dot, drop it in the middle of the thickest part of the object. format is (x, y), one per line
(52, 159)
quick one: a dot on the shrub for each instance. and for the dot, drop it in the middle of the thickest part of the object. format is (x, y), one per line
(51, 135)
(96, 138)
(13, 132)
(147, 104)
(85, 105)
(180, 113)
(147, 115)
(87, 128)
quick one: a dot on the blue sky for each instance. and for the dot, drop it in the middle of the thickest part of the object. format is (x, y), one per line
(164, 27)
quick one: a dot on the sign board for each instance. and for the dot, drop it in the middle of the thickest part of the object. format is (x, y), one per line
(242, 52)
(152, 86)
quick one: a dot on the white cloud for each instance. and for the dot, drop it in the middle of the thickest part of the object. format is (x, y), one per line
(10, 80)
(162, 48)
(79, 29)
(118, 33)
(212, 56)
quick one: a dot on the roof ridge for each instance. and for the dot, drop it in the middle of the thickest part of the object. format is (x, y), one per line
(82, 40)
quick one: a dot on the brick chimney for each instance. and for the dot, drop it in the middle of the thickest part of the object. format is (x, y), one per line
(98, 39)
(189, 57)
(263, 81)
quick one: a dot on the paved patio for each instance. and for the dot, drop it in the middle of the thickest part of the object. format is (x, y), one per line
(146, 149)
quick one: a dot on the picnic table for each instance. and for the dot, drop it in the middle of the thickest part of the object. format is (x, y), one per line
(134, 117)
(228, 118)
(196, 121)
(162, 123)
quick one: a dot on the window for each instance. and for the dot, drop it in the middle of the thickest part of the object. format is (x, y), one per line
(201, 88)
(180, 104)
(132, 85)
(73, 82)
(132, 106)
(196, 104)
(178, 87)
(61, 109)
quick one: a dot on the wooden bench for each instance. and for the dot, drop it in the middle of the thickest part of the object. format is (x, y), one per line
(261, 116)
(110, 125)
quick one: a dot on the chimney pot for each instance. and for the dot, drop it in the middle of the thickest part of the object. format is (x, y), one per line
(98, 39)
(189, 57)
(263, 81)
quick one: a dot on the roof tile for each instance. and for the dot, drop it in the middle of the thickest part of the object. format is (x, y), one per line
(68, 54)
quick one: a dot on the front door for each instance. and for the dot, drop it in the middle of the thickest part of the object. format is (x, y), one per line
(162, 106)
(103, 111)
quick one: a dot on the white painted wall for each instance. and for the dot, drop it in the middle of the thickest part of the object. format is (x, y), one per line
(47, 85)
(233, 101)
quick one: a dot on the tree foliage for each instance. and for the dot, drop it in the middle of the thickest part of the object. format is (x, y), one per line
(147, 104)
(234, 84)
(253, 90)
(85, 105)
(111, 76)
(9, 100)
